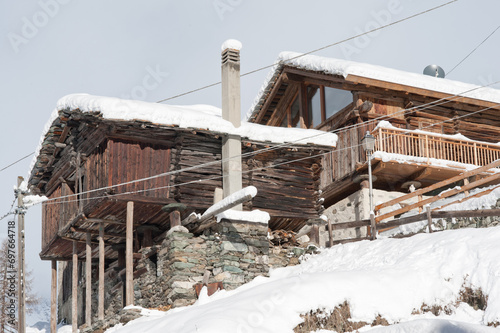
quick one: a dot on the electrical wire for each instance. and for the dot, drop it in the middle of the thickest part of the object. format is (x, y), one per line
(315, 50)
(421, 107)
(288, 144)
(301, 55)
(19, 160)
(468, 55)
(10, 212)
(252, 170)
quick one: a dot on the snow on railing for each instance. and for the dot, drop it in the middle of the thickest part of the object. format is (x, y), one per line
(428, 145)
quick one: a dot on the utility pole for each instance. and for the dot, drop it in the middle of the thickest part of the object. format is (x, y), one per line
(20, 248)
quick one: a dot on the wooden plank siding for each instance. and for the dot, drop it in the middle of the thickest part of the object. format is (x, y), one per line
(56, 213)
(124, 161)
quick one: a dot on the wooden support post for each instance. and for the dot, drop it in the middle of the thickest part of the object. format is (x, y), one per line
(330, 233)
(129, 260)
(175, 218)
(100, 305)
(20, 252)
(74, 291)
(466, 182)
(315, 234)
(373, 227)
(53, 297)
(147, 238)
(429, 218)
(88, 280)
(420, 199)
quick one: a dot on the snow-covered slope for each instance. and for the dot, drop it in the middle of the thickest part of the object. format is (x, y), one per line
(392, 278)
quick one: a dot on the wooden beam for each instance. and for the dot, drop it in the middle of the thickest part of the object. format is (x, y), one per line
(439, 185)
(100, 305)
(466, 213)
(92, 232)
(75, 240)
(88, 281)
(129, 260)
(419, 91)
(443, 195)
(53, 297)
(269, 98)
(74, 291)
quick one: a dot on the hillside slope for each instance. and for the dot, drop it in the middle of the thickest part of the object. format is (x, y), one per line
(396, 280)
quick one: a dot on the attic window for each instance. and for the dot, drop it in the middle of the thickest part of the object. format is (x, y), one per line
(336, 100)
(320, 103)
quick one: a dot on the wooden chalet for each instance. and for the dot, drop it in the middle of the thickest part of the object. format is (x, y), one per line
(349, 99)
(109, 167)
(83, 152)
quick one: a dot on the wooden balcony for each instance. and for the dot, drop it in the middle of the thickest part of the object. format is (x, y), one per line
(426, 145)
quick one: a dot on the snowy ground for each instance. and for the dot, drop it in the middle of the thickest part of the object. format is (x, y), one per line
(388, 277)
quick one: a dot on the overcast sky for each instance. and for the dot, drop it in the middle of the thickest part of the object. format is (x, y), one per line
(50, 48)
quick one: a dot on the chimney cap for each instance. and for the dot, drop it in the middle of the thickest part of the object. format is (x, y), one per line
(231, 44)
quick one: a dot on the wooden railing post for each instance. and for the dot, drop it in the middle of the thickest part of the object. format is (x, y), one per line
(419, 198)
(427, 148)
(475, 154)
(373, 226)
(429, 218)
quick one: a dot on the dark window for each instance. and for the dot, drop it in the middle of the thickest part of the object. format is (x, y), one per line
(336, 100)
(295, 114)
(313, 106)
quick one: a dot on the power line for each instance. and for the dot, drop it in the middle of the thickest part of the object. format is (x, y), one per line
(19, 160)
(421, 107)
(461, 61)
(269, 66)
(250, 170)
(425, 106)
(314, 51)
(10, 212)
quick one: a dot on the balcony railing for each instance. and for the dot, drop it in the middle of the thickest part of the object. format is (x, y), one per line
(412, 143)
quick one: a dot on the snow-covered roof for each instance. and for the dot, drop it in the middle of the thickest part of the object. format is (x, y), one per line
(345, 68)
(201, 117)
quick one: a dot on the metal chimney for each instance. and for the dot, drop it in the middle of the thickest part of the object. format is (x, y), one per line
(231, 144)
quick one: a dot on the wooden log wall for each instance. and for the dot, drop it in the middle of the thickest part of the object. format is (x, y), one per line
(124, 161)
(56, 213)
(288, 192)
(195, 149)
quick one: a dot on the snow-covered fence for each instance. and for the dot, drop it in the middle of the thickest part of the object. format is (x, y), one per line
(418, 193)
(429, 215)
(443, 147)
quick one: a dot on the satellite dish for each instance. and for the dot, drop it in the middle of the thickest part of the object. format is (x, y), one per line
(434, 70)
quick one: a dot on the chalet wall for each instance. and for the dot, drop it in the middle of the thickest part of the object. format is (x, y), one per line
(120, 161)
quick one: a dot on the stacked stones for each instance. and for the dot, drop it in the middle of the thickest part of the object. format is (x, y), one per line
(233, 252)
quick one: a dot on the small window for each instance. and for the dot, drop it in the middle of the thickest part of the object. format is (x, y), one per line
(314, 106)
(295, 114)
(336, 100)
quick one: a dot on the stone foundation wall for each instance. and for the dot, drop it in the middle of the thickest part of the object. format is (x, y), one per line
(233, 252)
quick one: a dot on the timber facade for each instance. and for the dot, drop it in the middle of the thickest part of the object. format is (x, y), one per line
(350, 105)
